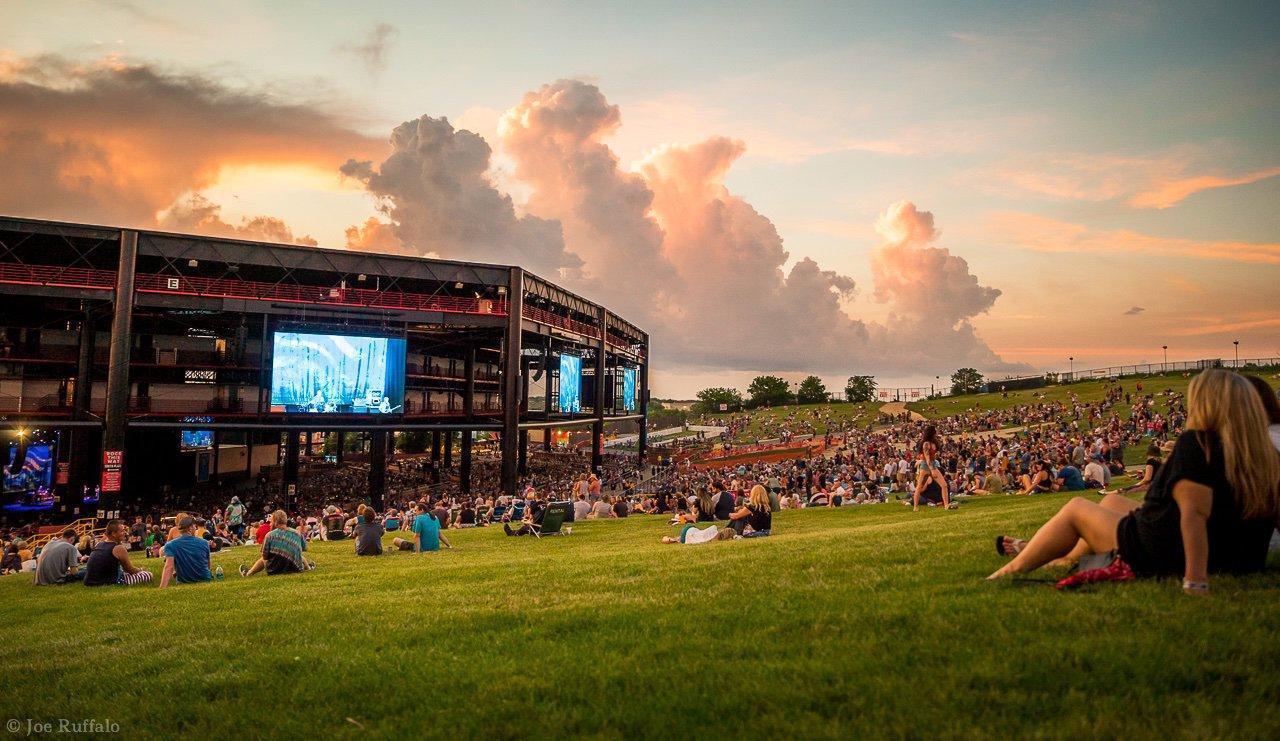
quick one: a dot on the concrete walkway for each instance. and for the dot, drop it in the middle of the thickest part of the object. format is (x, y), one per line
(898, 407)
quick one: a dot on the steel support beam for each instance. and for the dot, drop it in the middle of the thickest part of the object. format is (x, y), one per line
(377, 469)
(511, 352)
(118, 359)
(597, 429)
(468, 410)
(642, 445)
(83, 466)
(290, 473)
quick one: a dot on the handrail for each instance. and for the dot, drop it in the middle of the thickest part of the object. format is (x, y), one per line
(180, 285)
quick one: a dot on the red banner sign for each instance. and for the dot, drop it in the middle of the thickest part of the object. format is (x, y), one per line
(112, 466)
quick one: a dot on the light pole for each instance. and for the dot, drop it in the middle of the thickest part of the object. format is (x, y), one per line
(1072, 360)
(1165, 366)
(1237, 344)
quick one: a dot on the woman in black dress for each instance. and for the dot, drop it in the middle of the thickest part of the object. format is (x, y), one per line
(1210, 508)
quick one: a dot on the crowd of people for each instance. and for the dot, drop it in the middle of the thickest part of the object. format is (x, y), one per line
(1205, 474)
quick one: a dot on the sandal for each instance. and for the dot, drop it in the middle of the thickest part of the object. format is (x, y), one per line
(1004, 552)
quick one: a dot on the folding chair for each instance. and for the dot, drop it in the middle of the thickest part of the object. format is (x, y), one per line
(552, 520)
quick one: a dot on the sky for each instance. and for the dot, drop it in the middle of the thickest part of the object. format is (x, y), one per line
(895, 189)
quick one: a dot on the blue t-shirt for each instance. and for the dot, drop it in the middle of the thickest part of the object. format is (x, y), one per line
(1071, 478)
(427, 528)
(190, 558)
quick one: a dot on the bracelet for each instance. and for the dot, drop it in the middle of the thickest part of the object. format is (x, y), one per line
(1195, 586)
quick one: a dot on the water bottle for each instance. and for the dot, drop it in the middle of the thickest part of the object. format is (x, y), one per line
(217, 574)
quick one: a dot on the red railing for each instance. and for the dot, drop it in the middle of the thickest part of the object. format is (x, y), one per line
(289, 292)
(57, 276)
(555, 320)
(65, 277)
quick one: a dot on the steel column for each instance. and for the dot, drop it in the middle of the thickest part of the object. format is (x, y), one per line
(511, 380)
(118, 359)
(377, 469)
(290, 473)
(642, 444)
(84, 464)
(468, 410)
(597, 429)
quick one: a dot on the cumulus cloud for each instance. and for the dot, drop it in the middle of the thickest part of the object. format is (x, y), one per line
(197, 214)
(669, 246)
(372, 52)
(554, 135)
(434, 191)
(1134, 311)
(118, 142)
(740, 306)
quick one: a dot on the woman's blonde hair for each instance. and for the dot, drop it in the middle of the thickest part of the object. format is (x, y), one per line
(279, 518)
(759, 496)
(1224, 402)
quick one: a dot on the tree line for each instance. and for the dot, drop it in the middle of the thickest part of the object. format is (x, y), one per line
(772, 391)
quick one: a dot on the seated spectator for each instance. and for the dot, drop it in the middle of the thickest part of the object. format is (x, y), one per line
(58, 561)
(368, 532)
(426, 532)
(1097, 475)
(601, 510)
(581, 507)
(755, 518)
(1039, 481)
(1210, 509)
(391, 522)
(533, 513)
(282, 550)
(109, 561)
(186, 556)
(620, 508)
(1068, 478)
(260, 533)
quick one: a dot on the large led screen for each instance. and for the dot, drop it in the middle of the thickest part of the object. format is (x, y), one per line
(570, 399)
(629, 389)
(337, 374)
(196, 440)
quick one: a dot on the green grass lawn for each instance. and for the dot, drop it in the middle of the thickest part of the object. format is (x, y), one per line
(864, 621)
(862, 414)
(1088, 391)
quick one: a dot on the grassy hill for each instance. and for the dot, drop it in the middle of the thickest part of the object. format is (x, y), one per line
(863, 415)
(1087, 391)
(860, 621)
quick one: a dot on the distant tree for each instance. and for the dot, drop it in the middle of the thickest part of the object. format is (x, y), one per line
(710, 400)
(769, 391)
(966, 381)
(411, 442)
(656, 405)
(860, 388)
(812, 391)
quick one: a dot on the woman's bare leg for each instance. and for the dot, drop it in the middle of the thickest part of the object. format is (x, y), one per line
(1116, 502)
(1079, 519)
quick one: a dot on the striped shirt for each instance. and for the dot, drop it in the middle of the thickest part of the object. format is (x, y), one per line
(282, 548)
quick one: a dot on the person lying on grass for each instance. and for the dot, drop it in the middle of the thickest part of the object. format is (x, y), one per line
(691, 534)
(755, 518)
(1210, 508)
(282, 550)
(109, 561)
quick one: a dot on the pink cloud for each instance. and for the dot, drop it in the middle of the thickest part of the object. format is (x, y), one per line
(1045, 234)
